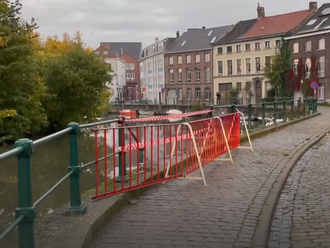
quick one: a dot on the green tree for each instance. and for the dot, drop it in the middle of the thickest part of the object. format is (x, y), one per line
(279, 71)
(21, 90)
(76, 81)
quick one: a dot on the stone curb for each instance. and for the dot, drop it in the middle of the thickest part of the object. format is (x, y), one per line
(100, 222)
(261, 233)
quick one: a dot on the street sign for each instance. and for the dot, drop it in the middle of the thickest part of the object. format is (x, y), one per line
(144, 89)
(314, 85)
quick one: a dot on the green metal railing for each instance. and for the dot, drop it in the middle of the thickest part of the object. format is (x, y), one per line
(287, 109)
(24, 150)
(25, 212)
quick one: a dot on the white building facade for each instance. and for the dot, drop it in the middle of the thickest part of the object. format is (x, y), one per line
(118, 82)
(152, 70)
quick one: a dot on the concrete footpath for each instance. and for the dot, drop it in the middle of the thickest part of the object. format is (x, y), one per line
(184, 213)
(302, 215)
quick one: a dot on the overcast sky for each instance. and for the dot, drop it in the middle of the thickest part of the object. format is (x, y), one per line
(143, 20)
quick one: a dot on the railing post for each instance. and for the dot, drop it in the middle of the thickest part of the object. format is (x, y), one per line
(291, 110)
(233, 108)
(249, 116)
(284, 111)
(304, 107)
(122, 175)
(263, 115)
(299, 103)
(25, 207)
(275, 114)
(315, 105)
(76, 207)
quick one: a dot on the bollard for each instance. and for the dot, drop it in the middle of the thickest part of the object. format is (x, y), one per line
(75, 195)
(299, 103)
(263, 114)
(25, 207)
(122, 175)
(284, 111)
(291, 110)
(275, 114)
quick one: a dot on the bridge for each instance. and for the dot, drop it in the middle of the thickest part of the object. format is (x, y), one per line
(227, 196)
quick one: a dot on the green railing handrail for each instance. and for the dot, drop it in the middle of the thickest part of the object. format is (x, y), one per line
(25, 212)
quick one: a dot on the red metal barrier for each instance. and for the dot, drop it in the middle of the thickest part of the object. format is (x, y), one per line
(132, 157)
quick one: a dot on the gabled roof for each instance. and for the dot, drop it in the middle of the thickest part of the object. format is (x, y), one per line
(319, 21)
(105, 48)
(197, 39)
(276, 25)
(133, 49)
(238, 30)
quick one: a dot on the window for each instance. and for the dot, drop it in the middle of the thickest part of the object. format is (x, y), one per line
(127, 75)
(247, 47)
(278, 43)
(209, 34)
(248, 66)
(189, 94)
(220, 50)
(267, 44)
(257, 46)
(220, 67)
(321, 66)
(198, 74)
(321, 44)
(179, 60)
(184, 42)
(257, 60)
(207, 75)
(198, 93)
(180, 94)
(207, 57)
(171, 76)
(229, 49)
(188, 59)
(180, 75)
(207, 93)
(267, 60)
(197, 58)
(320, 93)
(97, 52)
(171, 60)
(248, 85)
(308, 64)
(295, 48)
(239, 66)
(132, 76)
(295, 66)
(131, 67)
(188, 75)
(214, 38)
(239, 87)
(229, 67)
(308, 46)
(238, 48)
(105, 52)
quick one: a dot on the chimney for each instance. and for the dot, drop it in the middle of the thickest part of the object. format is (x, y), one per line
(122, 51)
(177, 34)
(156, 40)
(203, 27)
(260, 11)
(312, 6)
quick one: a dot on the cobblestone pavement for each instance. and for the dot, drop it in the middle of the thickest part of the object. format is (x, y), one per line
(184, 213)
(302, 215)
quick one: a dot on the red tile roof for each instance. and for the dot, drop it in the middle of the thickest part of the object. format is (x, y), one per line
(278, 24)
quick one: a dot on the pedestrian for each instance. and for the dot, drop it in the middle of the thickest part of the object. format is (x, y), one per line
(218, 98)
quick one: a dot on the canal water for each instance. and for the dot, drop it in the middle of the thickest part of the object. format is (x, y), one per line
(49, 164)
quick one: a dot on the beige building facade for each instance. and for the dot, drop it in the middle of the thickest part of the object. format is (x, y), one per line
(240, 65)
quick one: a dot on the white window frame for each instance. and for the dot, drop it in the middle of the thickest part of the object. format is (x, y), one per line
(321, 66)
(320, 93)
(170, 61)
